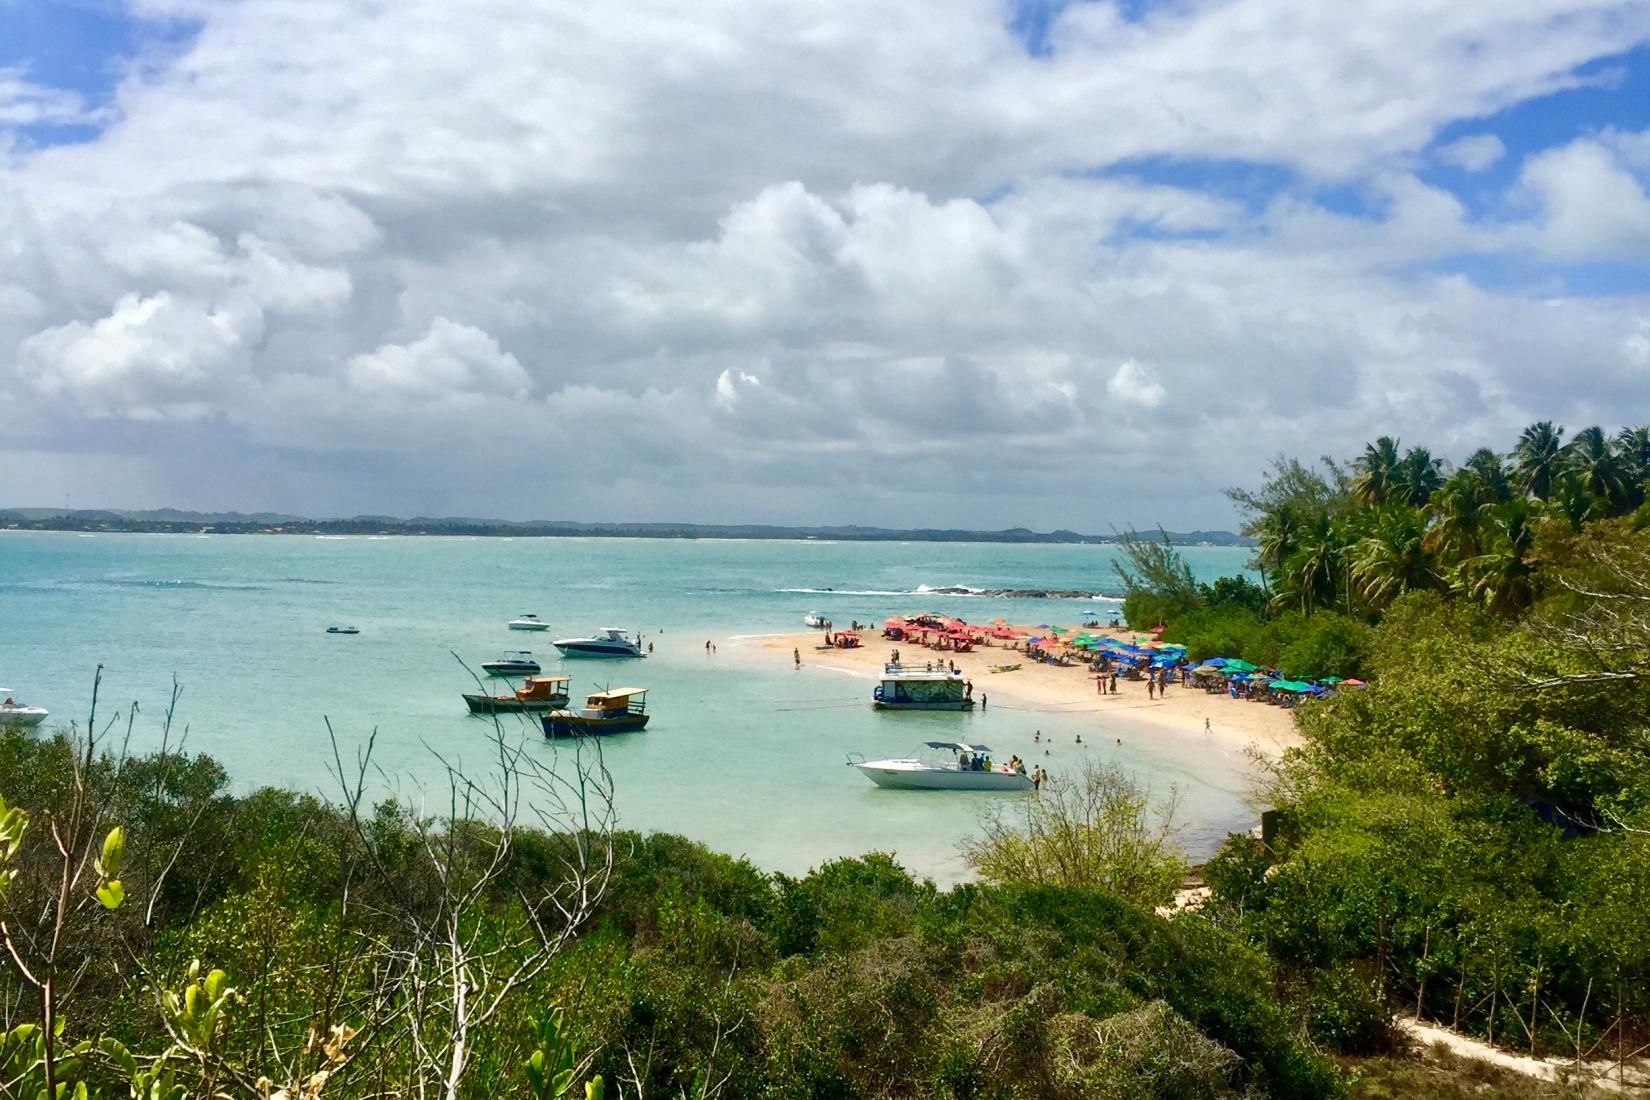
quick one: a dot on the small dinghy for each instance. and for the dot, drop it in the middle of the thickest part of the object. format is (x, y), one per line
(342, 630)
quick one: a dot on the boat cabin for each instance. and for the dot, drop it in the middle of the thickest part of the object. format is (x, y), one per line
(616, 703)
(544, 689)
(930, 688)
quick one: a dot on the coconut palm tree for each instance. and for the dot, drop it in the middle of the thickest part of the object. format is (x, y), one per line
(1458, 517)
(1633, 450)
(1315, 564)
(1375, 471)
(1393, 558)
(1597, 465)
(1492, 472)
(1417, 477)
(1538, 458)
(1502, 578)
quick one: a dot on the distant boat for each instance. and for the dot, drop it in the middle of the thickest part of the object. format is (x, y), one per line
(529, 622)
(921, 689)
(622, 710)
(13, 713)
(609, 641)
(342, 630)
(964, 771)
(519, 663)
(539, 693)
(815, 619)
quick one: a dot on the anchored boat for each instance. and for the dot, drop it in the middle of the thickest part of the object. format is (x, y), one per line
(609, 641)
(963, 768)
(928, 688)
(342, 630)
(519, 663)
(529, 622)
(539, 693)
(622, 710)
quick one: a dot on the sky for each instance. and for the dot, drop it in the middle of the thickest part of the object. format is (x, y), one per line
(966, 263)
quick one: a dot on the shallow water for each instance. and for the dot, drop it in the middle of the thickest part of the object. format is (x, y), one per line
(744, 752)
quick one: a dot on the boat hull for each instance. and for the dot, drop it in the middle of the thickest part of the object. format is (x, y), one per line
(576, 649)
(937, 704)
(907, 778)
(504, 704)
(529, 626)
(492, 669)
(22, 716)
(564, 724)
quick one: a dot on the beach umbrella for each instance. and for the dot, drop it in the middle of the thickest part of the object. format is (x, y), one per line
(1242, 666)
(1351, 681)
(1215, 662)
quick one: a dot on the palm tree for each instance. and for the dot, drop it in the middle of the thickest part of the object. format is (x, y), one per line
(1502, 578)
(1538, 458)
(1492, 472)
(1417, 477)
(1598, 467)
(1393, 559)
(1275, 539)
(1376, 470)
(1458, 516)
(1633, 451)
(1314, 565)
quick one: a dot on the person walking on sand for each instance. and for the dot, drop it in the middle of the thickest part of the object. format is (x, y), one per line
(707, 647)
(1151, 687)
(796, 655)
(1114, 683)
(1207, 728)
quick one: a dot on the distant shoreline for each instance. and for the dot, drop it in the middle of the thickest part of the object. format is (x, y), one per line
(171, 522)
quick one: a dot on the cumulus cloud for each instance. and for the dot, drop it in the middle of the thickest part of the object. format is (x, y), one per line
(1593, 206)
(450, 367)
(1473, 153)
(1132, 385)
(793, 261)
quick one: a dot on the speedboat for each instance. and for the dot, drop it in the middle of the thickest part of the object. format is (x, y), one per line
(519, 663)
(815, 619)
(342, 630)
(964, 767)
(538, 694)
(529, 622)
(13, 713)
(622, 710)
(609, 641)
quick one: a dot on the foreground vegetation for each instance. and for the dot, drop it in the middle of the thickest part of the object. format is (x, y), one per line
(352, 950)
(1467, 839)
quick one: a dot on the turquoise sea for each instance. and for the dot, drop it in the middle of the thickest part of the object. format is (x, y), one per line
(744, 752)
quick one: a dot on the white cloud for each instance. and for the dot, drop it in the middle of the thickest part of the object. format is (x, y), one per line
(452, 366)
(151, 358)
(879, 254)
(1133, 386)
(1593, 207)
(1473, 153)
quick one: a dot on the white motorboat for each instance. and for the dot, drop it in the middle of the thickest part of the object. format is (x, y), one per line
(609, 641)
(519, 663)
(963, 767)
(13, 713)
(816, 620)
(529, 622)
(342, 630)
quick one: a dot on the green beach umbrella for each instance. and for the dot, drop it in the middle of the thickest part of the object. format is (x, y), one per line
(1242, 666)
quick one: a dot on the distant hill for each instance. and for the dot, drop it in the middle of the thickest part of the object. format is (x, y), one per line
(172, 520)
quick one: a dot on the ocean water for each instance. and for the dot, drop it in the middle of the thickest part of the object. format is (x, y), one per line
(744, 752)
